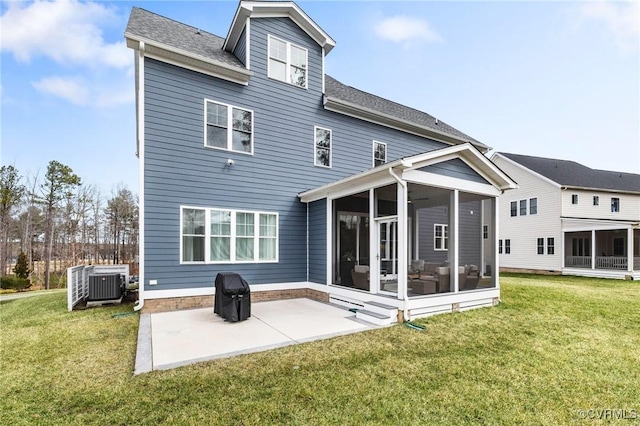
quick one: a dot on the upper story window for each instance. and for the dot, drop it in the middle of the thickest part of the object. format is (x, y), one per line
(596, 200)
(322, 147)
(574, 198)
(615, 205)
(287, 62)
(228, 236)
(379, 153)
(533, 206)
(523, 207)
(514, 208)
(228, 127)
(440, 237)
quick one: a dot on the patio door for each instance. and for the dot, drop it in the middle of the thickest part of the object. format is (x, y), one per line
(387, 256)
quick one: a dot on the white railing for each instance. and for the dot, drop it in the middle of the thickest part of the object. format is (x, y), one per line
(636, 263)
(611, 262)
(76, 285)
(577, 261)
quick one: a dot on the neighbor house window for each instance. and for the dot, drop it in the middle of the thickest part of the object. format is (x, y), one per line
(322, 147)
(574, 198)
(533, 206)
(228, 127)
(228, 236)
(596, 200)
(379, 153)
(287, 62)
(440, 237)
(514, 208)
(540, 245)
(507, 246)
(550, 246)
(615, 205)
(523, 207)
(485, 231)
(499, 246)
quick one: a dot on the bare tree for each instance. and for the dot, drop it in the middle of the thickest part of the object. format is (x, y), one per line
(121, 214)
(11, 191)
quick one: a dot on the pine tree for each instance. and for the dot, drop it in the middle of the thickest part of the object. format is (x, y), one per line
(22, 267)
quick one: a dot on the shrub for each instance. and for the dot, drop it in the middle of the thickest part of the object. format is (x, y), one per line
(22, 266)
(14, 283)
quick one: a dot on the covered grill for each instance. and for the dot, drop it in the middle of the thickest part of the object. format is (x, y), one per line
(232, 297)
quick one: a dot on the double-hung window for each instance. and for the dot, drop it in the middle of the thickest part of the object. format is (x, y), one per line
(615, 205)
(596, 200)
(322, 147)
(551, 249)
(523, 207)
(228, 236)
(574, 198)
(533, 206)
(440, 237)
(379, 153)
(228, 127)
(514, 208)
(507, 246)
(287, 62)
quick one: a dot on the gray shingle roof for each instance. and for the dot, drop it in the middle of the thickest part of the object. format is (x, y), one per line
(334, 88)
(148, 25)
(570, 173)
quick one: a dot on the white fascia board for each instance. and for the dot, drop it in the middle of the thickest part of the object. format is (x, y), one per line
(259, 9)
(601, 190)
(352, 110)
(188, 60)
(520, 166)
(448, 182)
(570, 224)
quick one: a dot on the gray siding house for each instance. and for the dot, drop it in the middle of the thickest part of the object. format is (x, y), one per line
(254, 160)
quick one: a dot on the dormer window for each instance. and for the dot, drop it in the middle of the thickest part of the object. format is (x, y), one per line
(287, 62)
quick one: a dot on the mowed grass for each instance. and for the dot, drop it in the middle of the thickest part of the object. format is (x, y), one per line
(554, 346)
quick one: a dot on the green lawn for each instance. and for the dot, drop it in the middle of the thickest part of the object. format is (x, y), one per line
(554, 346)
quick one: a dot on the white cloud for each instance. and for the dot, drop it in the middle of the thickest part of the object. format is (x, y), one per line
(67, 31)
(407, 30)
(73, 89)
(80, 91)
(622, 19)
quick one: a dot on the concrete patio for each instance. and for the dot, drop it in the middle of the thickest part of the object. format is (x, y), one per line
(171, 339)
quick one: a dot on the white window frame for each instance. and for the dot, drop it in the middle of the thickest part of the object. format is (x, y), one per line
(507, 246)
(374, 152)
(596, 200)
(540, 246)
(445, 237)
(551, 245)
(533, 211)
(615, 204)
(315, 147)
(230, 109)
(513, 212)
(574, 199)
(233, 236)
(523, 207)
(288, 62)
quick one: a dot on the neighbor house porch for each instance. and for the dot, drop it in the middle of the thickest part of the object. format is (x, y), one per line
(418, 234)
(608, 250)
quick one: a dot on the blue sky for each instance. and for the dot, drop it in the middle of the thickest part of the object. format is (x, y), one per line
(551, 79)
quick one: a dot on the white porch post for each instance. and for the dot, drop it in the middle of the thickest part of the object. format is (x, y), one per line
(453, 238)
(402, 240)
(494, 258)
(593, 249)
(630, 249)
(374, 245)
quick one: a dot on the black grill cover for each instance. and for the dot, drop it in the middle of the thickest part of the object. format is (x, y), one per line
(232, 297)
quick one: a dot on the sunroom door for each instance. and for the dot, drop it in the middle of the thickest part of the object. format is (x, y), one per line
(387, 256)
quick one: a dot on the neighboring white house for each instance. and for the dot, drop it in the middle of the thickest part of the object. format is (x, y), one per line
(569, 218)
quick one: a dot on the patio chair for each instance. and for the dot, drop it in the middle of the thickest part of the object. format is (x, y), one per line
(360, 277)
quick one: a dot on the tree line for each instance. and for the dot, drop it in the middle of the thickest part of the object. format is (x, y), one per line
(55, 221)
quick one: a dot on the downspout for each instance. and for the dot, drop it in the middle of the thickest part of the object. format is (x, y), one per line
(140, 148)
(405, 295)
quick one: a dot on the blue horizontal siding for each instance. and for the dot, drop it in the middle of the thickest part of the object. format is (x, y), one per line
(180, 170)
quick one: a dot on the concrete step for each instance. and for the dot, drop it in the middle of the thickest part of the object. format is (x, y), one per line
(376, 318)
(381, 308)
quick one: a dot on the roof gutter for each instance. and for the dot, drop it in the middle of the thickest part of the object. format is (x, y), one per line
(585, 188)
